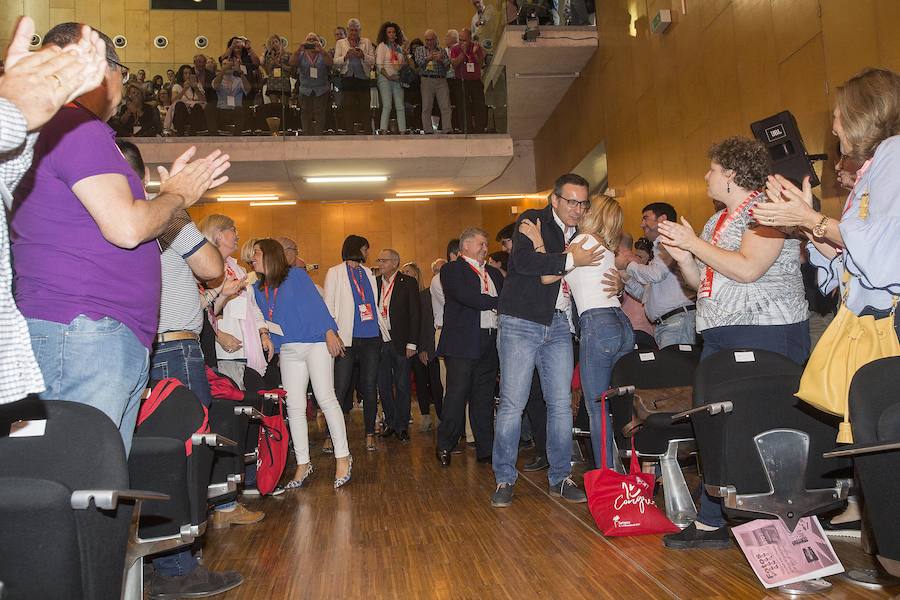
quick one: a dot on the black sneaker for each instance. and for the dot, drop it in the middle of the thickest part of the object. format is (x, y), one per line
(199, 583)
(567, 490)
(538, 464)
(691, 537)
(502, 496)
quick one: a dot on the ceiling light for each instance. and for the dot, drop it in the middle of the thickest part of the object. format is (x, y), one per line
(347, 179)
(569, 75)
(429, 193)
(502, 197)
(275, 203)
(254, 197)
(407, 199)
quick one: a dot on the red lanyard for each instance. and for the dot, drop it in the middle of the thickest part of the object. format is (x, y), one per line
(862, 170)
(483, 276)
(359, 290)
(386, 291)
(725, 219)
(271, 309)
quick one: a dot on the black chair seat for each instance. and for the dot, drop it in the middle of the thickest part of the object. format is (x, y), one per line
(658, 429)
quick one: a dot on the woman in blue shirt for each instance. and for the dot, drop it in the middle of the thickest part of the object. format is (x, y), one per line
(304, 333)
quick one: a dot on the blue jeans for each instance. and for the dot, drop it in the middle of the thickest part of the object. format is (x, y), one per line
(393, 373)
(524, 345)
(677, 329)
(99, 363)
(183, 360)
(606, 336)
(791, 341)
(391, 93)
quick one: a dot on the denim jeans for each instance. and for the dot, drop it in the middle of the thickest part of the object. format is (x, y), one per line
(677, 329)
(182, 360)
(791, 341)
(393, 385)
(524, 345)
(606, 336)
(391, 93)
(100, 363)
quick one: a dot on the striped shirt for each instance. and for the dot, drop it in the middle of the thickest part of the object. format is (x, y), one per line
(19, 372)
(180, 306)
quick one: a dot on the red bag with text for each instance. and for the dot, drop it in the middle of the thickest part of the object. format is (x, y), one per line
(273, 446)
(623, 505)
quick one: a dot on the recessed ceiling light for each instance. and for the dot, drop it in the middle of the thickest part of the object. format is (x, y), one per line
(347, 179)
(275, 203)
(428, 193)
(253, 197)
(502, 197)
(407, 199)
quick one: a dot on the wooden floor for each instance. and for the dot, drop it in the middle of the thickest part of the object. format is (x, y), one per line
(405, 527)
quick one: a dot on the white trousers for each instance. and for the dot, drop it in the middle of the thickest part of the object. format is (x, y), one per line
(300, 364)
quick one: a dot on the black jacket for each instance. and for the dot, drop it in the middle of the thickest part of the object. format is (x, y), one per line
(403, 312)
(426, 330)
(463, 303)
(524, 296)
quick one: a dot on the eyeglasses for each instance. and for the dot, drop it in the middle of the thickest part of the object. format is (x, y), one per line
(126, 73)
(384, 260)
(573, 204)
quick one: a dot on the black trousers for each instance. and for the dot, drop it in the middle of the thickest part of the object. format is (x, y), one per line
(393, 387)
(355, 108)
(472, 107)
(184, 116)
(366, 352)
(536, 410)
(472, 381)
(216, 118)
(428, 385)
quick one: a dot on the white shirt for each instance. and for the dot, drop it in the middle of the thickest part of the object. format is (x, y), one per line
(437, 300)
(488, 317)
(563, 302)
(586, 283)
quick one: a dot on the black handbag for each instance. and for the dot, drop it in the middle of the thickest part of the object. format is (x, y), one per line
(408, 76)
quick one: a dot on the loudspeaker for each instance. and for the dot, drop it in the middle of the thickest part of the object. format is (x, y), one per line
(161, 41)
(201, 41)
(781, 137)
(35, 41)
(120, 41)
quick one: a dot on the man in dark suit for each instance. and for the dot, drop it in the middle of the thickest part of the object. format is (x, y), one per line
(425, 367)
(469, 346)
(399, 304)
(535, 331)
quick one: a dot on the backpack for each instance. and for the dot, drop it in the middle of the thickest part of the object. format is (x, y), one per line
(172, 410)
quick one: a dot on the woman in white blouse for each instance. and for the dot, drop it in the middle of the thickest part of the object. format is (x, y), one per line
(606, 333)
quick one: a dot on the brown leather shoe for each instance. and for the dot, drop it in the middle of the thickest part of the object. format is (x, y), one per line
(241, 515)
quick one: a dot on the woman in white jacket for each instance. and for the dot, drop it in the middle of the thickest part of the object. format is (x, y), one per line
(351, 296)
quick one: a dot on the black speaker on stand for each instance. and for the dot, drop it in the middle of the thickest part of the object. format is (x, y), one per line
(781, 137)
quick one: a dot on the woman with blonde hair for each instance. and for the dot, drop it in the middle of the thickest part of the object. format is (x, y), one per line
(606, 333)
(241, 332)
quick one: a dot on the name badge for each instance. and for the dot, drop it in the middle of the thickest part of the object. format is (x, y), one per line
(470, 67)
(244, 69)
(372, 75)
(313, 73)
(274, 328)
(365, 312)
(229, 100)
(276, 72)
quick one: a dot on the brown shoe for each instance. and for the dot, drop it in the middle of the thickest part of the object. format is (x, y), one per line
(241, 515)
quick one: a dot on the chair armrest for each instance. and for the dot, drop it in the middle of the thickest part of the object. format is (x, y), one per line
(211, 439)
(713, 409)
(109, 499)
(863, 449)
(248, 411)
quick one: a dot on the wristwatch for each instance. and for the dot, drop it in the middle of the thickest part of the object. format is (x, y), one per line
(821, 228)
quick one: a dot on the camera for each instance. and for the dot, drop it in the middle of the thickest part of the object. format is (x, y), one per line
(309, 46)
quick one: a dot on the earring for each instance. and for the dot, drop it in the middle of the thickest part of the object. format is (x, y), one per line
(728, 187)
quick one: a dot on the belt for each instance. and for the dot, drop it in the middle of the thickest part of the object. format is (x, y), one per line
(677, 311)
(562, 312)
(434, 76)
(175, 336)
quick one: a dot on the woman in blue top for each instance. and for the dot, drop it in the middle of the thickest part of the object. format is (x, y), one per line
(308, 343)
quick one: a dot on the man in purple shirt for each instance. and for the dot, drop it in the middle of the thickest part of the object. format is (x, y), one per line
(87, 263)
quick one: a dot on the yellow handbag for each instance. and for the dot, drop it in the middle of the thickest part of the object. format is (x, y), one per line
(848, 343)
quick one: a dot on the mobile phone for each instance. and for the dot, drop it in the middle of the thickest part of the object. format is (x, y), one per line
(309, 46)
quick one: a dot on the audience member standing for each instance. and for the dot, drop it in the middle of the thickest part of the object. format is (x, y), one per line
(85, 213)
(469, 346)
(313, 64)
(433, 63)
(633, 300)
(388, 60)
(425, 369)
(305, 336)
(668, 302)
(231, 86)
(241, 54)
(467, 58)
(399, 306)
(350, 294)
(355, 57)
(78, 70)
(535, 332)
(486, 25)
(749, 288)
(189, 103)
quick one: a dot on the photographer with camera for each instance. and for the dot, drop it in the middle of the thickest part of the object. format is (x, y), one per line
(231, 86)
(313, 63)
(355, 56)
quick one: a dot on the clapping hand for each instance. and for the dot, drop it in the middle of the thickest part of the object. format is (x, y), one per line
(790, 206)
(678, 235)
(191, 180)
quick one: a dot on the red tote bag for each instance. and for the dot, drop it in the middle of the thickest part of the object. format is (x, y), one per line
(273, 447)
(623, 505)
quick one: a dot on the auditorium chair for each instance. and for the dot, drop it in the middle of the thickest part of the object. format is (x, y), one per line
(159, 461)
(762, 448)
(659, 439)
(65, 502)
(644, 341)
(875, 418)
